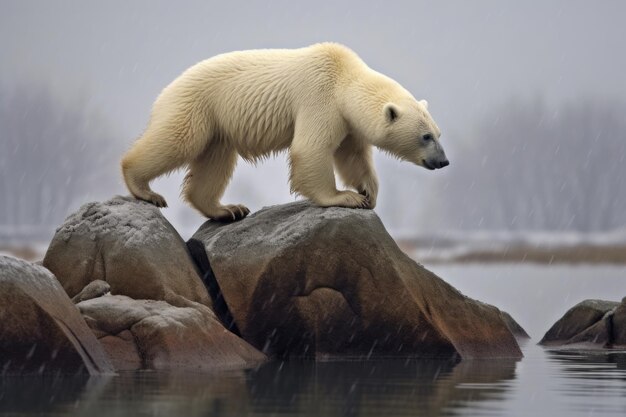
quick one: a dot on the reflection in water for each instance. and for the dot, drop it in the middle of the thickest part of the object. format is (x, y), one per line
(36, 395)
(299, 388)
(376, 388)
(592, 380)
(543, 383)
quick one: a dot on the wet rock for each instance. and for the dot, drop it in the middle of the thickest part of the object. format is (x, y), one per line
(587, 321)
(139, 291)
(41, 331)
(305, 280)
(618, 326)
(94, 289)
(598, 333)
(517, 330)
(149, 334)
(128, 244)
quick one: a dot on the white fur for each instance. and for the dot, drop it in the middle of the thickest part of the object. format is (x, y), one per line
(323, 103)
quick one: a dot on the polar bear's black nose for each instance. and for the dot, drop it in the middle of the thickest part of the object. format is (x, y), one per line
(444, 163)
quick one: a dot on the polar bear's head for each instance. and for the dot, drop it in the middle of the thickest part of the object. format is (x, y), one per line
(411, 134)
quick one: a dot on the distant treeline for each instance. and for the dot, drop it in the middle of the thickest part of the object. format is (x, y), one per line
(52, 155)
(531, 167)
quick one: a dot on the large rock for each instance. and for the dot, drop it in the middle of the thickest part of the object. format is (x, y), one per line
(304, 280)
(40, 329)
(517, 330)
(156, 335)
(139, 291)
(130, 245)
(590, 322)
(619, 325)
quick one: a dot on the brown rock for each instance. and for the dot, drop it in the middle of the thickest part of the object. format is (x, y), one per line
(130, 245)
(304, 280)
(40, 329)
(156, 335)
(122, 350)
(598, 333)
(618, 325)
(94, 289)
(576, 320)
(514, 327)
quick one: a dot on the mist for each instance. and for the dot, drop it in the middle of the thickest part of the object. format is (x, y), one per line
(528, 97)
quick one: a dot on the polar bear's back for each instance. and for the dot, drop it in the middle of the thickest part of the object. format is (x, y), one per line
(252, 97)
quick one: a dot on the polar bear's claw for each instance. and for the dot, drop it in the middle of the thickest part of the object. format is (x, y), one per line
(154, 198)
(348, 199)
(230, 213)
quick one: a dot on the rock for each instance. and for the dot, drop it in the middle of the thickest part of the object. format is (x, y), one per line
(514, 327)
(41, 331)
(305, 280)
(158, 316)
(94, 289)
(571, 328)
(130, 245)
(618, 327)
(156, 335)
(598, 333)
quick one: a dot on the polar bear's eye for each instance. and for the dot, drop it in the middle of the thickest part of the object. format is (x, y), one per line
(427, 137)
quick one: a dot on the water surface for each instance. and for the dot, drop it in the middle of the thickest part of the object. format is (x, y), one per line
(544, 382)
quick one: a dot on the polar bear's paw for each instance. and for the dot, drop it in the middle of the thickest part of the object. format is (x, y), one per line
(348, 199)
(230, 213)
(154, 198)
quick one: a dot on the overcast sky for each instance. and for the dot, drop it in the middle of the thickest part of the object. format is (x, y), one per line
(465, 58)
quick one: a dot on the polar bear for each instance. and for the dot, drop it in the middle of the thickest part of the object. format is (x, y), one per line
(321, 102)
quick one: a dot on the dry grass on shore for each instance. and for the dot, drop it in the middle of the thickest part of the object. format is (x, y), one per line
(27, 253)
(590, 254)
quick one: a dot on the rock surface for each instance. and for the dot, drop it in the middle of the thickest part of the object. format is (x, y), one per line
(619, 324)
(139, 291)
(41, 330)
(517, 330)
(149, 334)
(94, 289)
(596, 322)
(304, 280)
(131, 246)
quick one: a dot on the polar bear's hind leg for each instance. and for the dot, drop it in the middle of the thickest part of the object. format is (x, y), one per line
(149, 158)
(206, 182)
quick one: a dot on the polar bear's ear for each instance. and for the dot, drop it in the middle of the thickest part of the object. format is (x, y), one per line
(424, 103)
(391, 112)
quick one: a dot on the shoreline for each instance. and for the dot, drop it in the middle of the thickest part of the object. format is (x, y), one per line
(520, 253)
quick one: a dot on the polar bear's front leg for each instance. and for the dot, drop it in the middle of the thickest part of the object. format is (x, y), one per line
(311, 163)
(355, 165)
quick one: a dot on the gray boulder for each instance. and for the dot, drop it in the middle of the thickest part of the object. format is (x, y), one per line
(304, 280)
(517, 330)
(618, 326)
(589, 322)
(149, 334)
(41, 331)
(128, 244)
(139, 291)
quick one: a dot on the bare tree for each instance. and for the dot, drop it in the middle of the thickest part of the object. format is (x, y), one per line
(532, 168)
(52, 156)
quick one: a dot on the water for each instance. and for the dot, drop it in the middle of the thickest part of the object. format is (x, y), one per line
(535, 295)
(544, 382)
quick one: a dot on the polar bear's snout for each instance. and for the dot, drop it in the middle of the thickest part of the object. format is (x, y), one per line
(436, 157)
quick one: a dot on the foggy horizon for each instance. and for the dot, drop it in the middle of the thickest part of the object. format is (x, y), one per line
(104, 64)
